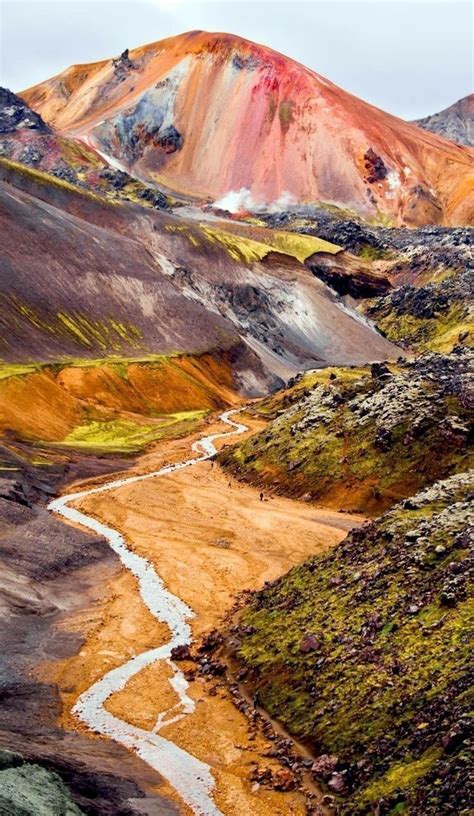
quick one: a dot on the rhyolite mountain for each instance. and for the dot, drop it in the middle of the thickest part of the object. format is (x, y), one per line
(215, 117)
(455, 123)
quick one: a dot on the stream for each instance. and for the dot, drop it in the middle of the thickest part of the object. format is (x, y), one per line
(191, 778)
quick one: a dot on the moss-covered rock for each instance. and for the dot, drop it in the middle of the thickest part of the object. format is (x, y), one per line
(30, 790)
(363, 653)
(363, 439)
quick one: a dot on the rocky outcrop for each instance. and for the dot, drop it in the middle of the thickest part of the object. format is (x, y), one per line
(15, 115)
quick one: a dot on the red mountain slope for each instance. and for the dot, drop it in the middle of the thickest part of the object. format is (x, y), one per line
(215, 116)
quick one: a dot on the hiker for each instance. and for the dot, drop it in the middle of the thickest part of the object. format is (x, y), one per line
(261, 496)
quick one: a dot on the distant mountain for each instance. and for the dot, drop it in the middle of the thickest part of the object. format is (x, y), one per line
(455, 123)
(215, 117)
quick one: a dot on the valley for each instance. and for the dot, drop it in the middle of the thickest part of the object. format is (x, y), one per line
(236, 402)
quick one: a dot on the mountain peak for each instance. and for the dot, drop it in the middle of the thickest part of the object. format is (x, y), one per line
(212, 115)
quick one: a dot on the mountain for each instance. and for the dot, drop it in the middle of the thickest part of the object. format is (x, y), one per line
(216, 117)
(455, 123)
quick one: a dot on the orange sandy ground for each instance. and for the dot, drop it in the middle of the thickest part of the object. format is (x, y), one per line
(175, 522)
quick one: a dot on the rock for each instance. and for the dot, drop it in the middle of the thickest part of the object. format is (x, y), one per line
(181, 653)
(374, 167)
(15, 115)
(338, 783)
(309, 643)
(324, 766)
(283, 780)
(383, 439)
(380, 371)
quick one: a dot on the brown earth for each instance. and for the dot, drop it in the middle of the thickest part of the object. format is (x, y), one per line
(179, 522)
(47, 404)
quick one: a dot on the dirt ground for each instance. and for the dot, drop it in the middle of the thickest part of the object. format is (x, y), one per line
(209, 538)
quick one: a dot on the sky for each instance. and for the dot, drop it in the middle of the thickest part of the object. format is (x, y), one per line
(411, 58)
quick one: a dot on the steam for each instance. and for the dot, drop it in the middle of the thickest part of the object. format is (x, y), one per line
(239, 200)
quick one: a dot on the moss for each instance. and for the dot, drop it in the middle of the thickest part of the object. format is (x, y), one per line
(371, 253)
(40, 177)
(17, 369)
(334, 458)
(391, 667)
(402, 776)
(248, 250)
(285, 114)
(121, 435)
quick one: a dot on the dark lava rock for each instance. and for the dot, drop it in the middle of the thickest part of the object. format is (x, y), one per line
(374, 166)
(155, 197)
(16, 115)
(181, 653)
(65, 173)
(116, 178)
(170, 139)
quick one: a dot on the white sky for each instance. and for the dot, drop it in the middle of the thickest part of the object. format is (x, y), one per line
(410, 58)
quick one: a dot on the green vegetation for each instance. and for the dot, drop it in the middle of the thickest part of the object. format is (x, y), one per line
(357, 441)
(248, 250)
(438, 333)
(40, 177)
(383, 686)
(18, 369)
(127, 436)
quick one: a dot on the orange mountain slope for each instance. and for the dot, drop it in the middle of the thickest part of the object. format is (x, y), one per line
(215, 116)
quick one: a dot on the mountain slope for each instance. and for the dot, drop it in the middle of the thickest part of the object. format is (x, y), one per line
(455, 123)
(84, 277)
(363, 653)
(213, 115)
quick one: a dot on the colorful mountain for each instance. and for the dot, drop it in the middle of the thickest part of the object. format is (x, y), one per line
(216, 117)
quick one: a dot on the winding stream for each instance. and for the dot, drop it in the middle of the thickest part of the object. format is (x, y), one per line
(191, 778)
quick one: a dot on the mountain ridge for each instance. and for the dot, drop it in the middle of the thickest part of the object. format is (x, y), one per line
(210, 115)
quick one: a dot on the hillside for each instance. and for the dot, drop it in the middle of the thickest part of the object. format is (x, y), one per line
(360, 439)
(126, 280)
(363, 654)
(455, 123)
(215, 117)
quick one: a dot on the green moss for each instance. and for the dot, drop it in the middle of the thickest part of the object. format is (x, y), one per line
(8, 370)
(43, 178)
(285, 114)
(121, 435)
(402, 776)
(371, 253)
(333, 454)
(385, 678)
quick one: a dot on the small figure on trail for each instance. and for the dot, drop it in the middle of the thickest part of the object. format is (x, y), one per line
(261, 496)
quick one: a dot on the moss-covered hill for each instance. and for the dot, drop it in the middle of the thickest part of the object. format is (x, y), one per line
(363, 653)
(363, 439)
(435, 315)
